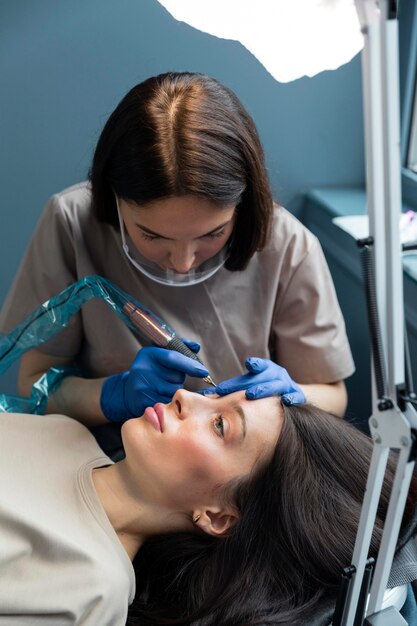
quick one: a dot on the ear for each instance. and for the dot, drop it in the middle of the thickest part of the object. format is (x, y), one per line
(216, 521)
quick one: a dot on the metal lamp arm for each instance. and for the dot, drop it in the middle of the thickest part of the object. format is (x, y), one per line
(390, 426)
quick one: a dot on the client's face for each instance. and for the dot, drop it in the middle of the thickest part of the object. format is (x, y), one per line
(193, 445)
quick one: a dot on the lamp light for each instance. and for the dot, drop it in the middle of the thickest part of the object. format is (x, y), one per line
(291, 38)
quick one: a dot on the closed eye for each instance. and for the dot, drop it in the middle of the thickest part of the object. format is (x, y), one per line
(217, 233)
(149, 237)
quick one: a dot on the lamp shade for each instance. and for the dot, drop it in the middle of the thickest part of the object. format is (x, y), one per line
(291, 38)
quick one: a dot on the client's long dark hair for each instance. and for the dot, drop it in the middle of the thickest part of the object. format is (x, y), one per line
(299, 517)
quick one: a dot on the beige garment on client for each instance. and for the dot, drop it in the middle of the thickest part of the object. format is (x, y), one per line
(61, 562)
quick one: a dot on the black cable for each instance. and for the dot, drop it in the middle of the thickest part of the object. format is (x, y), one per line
(368, 270)
(408, 374)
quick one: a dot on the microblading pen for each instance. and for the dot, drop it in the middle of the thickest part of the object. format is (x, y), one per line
(160, 333)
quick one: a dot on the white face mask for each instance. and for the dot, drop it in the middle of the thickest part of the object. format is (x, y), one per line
(167, 276)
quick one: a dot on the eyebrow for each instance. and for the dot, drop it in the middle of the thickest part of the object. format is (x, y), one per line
(152, 232)
(242, 416)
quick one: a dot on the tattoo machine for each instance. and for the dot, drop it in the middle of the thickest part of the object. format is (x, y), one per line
(160, 333)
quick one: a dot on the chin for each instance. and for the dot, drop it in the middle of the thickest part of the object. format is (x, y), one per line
(131, 425)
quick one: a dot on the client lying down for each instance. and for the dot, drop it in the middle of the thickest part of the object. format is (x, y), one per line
(234, 512)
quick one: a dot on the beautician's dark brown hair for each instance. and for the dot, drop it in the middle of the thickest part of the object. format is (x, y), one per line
(282, 562)
(185, 134)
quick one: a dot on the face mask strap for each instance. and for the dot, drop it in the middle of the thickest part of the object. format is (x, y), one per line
(122, 230)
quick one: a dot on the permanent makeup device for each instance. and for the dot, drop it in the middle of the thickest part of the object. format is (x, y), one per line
(160, 333)
(54, 315)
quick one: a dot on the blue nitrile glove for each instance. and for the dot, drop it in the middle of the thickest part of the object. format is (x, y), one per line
(264, 378)
(154, 376)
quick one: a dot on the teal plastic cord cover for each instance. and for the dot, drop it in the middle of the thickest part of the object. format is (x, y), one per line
(48, 320)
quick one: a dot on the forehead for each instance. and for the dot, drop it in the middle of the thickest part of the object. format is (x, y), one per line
(168, 212)
(271, 403)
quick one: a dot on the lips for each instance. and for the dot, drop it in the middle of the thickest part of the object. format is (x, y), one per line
(155, 416)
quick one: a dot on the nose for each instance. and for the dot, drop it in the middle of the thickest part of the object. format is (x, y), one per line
(185, 403)
(182, 257)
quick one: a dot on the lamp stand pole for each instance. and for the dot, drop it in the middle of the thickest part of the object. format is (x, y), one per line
(393, 423)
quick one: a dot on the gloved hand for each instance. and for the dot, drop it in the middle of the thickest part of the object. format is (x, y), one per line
(154, 376)
(264, 378)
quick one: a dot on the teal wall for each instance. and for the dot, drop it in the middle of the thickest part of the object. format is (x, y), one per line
(65, 65)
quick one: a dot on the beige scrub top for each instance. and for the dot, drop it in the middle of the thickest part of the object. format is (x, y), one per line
(283, 306)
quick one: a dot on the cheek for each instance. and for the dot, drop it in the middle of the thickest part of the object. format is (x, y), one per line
(152, 250)
(149, 249)
(208, 250)
(200, 458)
(181, 459)
(212, 246)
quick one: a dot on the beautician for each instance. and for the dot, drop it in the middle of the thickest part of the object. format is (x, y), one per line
(178, 212)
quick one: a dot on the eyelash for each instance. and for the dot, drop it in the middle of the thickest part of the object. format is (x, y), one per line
(219, 420)
(219, 233)
(149, 237)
